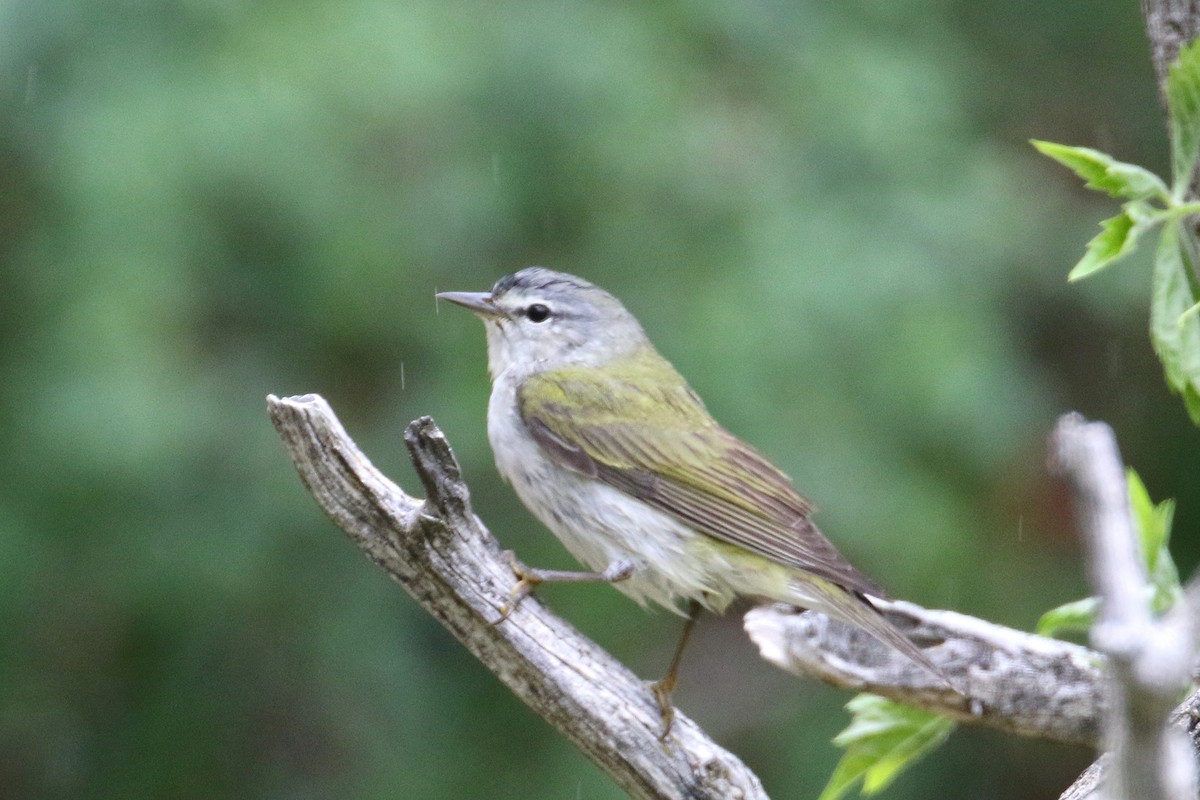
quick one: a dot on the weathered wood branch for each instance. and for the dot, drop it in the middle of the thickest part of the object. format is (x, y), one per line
(1015, 681)
(442, 555)
(445, 558)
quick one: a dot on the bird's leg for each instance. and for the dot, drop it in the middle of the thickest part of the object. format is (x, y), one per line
(528, 578)
(662, 688)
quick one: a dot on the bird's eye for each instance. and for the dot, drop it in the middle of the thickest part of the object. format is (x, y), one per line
(537, 313)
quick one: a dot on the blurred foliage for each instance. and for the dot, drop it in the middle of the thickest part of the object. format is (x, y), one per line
(825, 214)
(1163, 588)
(884, 738)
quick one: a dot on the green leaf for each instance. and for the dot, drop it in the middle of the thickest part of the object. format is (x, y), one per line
(1104, 173)
(1183, 101)
(1139, 183)
(1166, 590)
(881, 741)
(1117, 239)
(1191, 312)
(1175, 333)
(1145, 215)
(1153, 523)
(1073, 617)
(1154, 536)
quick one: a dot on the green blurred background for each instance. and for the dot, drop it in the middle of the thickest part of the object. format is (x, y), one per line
(827, 215)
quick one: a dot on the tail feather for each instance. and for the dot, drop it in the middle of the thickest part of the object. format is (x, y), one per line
(857, 610)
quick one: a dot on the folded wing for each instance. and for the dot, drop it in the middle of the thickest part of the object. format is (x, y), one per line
(661, 446)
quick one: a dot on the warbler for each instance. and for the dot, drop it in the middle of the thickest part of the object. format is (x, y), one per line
(612, 451)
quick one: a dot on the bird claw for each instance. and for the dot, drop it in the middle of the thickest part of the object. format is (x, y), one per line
(662, 690)
(527, 579)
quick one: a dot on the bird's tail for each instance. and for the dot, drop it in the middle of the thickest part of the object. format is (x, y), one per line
(857, 610)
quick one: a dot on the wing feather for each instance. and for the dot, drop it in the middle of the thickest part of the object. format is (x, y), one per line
(595, 424)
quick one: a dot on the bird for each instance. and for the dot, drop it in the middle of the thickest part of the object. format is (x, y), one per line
(611, 449)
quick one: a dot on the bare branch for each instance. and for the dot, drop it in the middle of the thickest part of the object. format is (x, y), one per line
(1028, 684)
(1185, 719)
(1150, 660)
(444, 557)
(1015, 681)
(1087, 785)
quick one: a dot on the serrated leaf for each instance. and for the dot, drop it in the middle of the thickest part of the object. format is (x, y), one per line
(1104, 173)
(1073, 617)
(1183, 102)
(881, 741)
(1174, 333)
(1117, 239)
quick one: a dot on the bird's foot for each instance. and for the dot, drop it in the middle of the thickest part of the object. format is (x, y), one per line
(527, 579)
(662, 690)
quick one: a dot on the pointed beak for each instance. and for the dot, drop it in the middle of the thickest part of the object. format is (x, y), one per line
(478, 303)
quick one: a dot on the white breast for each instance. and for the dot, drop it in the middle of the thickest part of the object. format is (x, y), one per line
(597, 523)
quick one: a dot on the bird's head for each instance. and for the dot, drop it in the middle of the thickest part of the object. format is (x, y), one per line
(538, 319)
